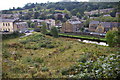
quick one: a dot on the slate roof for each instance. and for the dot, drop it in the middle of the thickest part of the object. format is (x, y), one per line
(21, 23)
(94, 22)
(116, 24)
(75, 22)
(7, 20)
(110, 24)
(106, 24)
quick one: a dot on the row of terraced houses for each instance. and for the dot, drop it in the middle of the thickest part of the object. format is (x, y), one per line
(11, 23)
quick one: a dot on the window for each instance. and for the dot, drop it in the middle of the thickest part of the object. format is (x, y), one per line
(8, 29)
(100, 29)
(3, 24)
(8, 24)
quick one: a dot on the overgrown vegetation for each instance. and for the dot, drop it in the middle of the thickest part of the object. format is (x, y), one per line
(47, 10)
(12, 35)
(113, 38)
(82, 36)
(43, 28)
(103, 67)
(42, 56)
(37, 41)
(54, 32)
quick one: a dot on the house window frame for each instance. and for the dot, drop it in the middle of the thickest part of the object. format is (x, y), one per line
(6, 24)
(3, 24)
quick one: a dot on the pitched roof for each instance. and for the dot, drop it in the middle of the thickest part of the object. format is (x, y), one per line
(106, 24)
(94, 22)
(7, 20)
(75, 22)
(110, 24)
(21, 23)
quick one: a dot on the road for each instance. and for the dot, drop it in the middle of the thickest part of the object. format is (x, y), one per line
(27, 34)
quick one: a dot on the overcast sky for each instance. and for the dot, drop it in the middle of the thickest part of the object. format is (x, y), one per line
(6, 4)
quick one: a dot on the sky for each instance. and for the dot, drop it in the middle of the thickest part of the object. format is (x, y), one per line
(6, 4)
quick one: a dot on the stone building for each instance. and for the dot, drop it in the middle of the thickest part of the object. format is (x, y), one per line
(11, 25)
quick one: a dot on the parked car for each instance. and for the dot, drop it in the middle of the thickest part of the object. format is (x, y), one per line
(6, 31)
(27, 31)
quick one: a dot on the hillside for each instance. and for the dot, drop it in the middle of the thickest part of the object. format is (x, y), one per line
(41, 56)
(46, 9)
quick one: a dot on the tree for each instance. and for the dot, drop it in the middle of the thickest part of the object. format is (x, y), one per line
(78, 15)
(52, 10)
(66, 11)
(113, 38)
(86, 23)
(36, 15)
(31, 9)
(54, 32)
(74, 11)
(32, 25)
(38, 7)
(43, 28)
(29, 23)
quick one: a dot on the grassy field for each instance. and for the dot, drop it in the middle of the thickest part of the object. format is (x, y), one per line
(46, 57)
(83, 36)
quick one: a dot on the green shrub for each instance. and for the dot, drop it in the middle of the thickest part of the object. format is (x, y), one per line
(32, 46)
(16, 69)
(44, 69)
(43, 45)
(62, 49)
(103, 67)
(50, 46)
(5, 54)
(39, 60)
(54, 32)
(43, 28)
(64, 71)
(113, 38)
(28, 60)
(37, 41)
(10, 36)
(85, 57)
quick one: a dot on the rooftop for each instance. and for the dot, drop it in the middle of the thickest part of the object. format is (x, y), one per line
(7, 20)
(94, 22)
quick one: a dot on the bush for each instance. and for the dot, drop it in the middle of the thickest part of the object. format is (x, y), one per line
(50, 46)
(10, 36)
(54, 32)
(37, 41)
(43, 28)
(39, 60)
(31, 46)
(44, 69)
(103, 67)
(85, 57)
(16, 70)
(64, 71)
(43, 45)
(5, 54)
(113, 38)
(27, 60)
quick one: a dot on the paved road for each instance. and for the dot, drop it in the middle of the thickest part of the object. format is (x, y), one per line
(27, 34)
